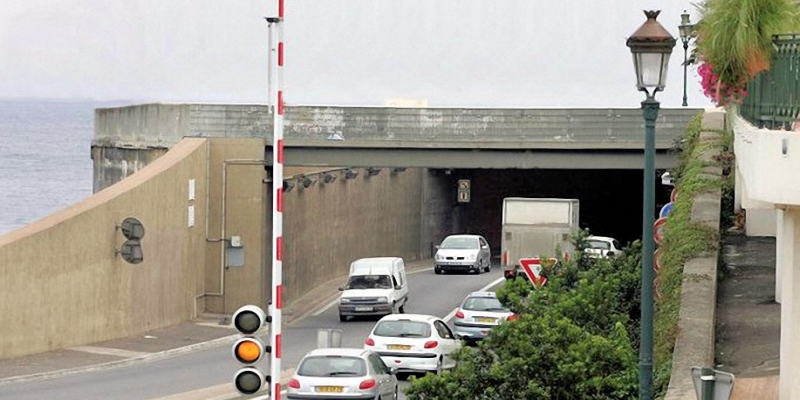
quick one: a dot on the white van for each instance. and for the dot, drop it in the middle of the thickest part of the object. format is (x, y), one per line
(376, 286)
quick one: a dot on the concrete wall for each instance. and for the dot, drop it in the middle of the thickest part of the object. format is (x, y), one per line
(61, 283)
(329, 225)
(237, 207)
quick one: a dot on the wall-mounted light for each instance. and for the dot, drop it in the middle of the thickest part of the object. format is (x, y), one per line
(350, 173)
(398, 169)
(371, 171)
(306, 181)
(328, 178)
(288, 186)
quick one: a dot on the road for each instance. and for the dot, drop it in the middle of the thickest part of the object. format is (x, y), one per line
(210, 371)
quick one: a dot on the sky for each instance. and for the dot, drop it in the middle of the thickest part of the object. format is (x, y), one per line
(442, 53)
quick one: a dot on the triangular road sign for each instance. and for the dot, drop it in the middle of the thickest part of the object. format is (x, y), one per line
(533, 270)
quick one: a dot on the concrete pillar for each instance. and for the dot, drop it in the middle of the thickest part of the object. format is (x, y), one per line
(781, 244)
(790, 315)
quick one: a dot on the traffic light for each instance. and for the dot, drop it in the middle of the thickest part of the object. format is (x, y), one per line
(249, 350)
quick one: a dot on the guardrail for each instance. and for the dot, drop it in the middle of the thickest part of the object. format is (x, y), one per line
(773, 99)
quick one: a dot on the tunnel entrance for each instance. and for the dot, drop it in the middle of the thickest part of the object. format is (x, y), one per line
(610, 200)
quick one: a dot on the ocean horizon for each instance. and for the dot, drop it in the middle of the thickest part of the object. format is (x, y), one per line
(45, 157)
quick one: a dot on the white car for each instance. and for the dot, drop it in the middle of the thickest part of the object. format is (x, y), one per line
(413, 343)
(602, 247)
(478, 314)
(463, 253)
(339, 373)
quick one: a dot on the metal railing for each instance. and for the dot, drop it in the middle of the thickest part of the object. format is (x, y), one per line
(773, 99)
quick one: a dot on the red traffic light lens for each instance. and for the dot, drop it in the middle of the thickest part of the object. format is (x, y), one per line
(247, 322)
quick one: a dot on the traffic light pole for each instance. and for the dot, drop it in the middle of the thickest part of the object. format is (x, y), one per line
(276, 89)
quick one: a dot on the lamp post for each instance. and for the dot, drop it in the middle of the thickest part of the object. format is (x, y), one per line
(687, 33)
(651, 46)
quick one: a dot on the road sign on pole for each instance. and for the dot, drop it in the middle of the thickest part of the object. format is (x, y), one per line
(658, 230)
(533, 270)
(463, 190)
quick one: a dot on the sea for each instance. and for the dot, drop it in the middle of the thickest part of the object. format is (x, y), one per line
(45, 157)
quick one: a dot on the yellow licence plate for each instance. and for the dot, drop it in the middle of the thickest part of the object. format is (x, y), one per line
(330, 389)
(484, 319)
(398, 347)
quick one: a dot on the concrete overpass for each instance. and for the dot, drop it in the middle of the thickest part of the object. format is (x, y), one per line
(592, 138)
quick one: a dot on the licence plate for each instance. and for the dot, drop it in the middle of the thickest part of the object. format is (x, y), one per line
(330, 389)
(485, 319)
(363, 308)
(398, 347)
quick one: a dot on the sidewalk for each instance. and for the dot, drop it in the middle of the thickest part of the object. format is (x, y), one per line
(748, 318)
(189, 336)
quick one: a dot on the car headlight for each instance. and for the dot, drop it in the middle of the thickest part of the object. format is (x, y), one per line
(437, 257)
(344, 300)
(383, 299)
(472, 257)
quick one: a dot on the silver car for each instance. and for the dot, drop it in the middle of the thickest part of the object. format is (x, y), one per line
(478, 314)
(339, 373)
(465, 253)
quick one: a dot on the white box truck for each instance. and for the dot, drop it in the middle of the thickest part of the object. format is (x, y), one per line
(535, 227)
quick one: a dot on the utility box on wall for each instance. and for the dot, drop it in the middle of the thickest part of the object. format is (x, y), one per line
(234, 252)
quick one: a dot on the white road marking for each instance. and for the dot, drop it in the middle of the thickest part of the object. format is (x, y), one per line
(336, 300)
(483, 289)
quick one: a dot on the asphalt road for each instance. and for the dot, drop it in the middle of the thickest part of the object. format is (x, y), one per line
(213, 369)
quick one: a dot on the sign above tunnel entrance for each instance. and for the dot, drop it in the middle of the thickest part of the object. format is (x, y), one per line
(463, 190)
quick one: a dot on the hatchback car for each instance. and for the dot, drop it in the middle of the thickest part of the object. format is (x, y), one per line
(339, 373)
(465, 253)
(479, 313)
(413, 343)
(602, 247)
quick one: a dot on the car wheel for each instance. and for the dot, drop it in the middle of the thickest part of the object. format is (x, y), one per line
(437, 271)
(403, 309)
(342, 318)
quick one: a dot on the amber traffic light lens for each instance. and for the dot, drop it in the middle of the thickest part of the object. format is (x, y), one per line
(248, 351)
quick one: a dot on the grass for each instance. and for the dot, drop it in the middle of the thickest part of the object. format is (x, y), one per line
(684, 239)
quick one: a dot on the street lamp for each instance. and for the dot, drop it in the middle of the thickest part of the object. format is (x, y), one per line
(651, 46)
(687, 33)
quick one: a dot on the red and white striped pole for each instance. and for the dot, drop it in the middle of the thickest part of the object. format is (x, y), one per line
(276, 87)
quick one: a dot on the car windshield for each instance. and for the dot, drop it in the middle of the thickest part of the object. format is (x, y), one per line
(332, 366)
(411, 329)
(599, 244)
(483, 304)
(461, 243)
(369, 282)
